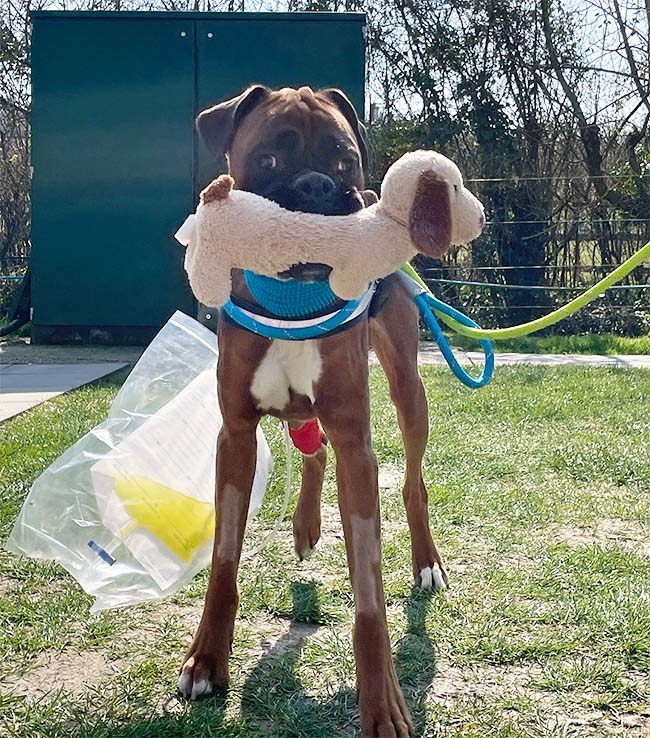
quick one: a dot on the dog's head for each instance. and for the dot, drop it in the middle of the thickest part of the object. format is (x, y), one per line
(304, 150)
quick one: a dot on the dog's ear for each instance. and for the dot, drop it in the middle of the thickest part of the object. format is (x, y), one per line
(342, 102)
(217, 125)
(430, 217)
(369, 197)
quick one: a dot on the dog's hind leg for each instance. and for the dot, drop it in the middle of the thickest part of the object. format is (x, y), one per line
(306, 519)
(394, 334)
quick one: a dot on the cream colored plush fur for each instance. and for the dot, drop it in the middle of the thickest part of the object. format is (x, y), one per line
(246, 231)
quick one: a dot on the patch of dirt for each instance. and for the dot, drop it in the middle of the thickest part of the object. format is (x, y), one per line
(607, 532)
(5, 584)
(390, 477)
(560, 711)
(67, 670)
(331, 529)
(576, 721)
(187, 613)
(451, 682)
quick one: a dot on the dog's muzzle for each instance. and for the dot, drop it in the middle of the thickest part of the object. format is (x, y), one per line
(315, 193)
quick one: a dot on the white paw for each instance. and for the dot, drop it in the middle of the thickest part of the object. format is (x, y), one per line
(426, 578)
(184, 685)
(432, 578)
(191, 691)
(201, 688)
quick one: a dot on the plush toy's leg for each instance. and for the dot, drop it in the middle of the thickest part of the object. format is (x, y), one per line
(394, 334)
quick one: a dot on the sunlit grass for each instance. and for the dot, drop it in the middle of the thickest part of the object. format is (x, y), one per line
(540, 500)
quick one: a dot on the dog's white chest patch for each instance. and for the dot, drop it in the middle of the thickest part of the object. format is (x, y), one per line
(287, 365)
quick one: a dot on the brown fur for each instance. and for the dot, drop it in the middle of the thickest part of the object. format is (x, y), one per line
(218, 189)
(342, 403)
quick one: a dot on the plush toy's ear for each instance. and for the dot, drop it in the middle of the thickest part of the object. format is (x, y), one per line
(217, 125)
(342, 102)
(430, 217)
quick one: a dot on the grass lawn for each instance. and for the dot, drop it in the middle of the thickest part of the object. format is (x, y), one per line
(582, 343)
(540, 500)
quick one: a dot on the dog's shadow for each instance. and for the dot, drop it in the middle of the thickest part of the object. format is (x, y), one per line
(274, 690)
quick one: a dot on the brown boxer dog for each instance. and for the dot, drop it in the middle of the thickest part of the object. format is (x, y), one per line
(307, 151)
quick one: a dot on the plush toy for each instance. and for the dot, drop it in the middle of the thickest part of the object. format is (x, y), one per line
(424, 208)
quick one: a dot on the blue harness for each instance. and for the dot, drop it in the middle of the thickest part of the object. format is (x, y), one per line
(295, 310)
(299, 311)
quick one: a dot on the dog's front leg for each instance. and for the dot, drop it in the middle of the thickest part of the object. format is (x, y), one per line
(345, 413)
(206, 663)
(381, 703)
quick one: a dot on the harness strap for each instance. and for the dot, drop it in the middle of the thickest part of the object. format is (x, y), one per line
(299, 330)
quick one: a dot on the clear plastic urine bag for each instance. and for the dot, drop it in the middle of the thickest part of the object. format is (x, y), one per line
(129, 509)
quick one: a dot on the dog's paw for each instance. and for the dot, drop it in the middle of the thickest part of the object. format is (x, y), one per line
(203, 672)
(305, 538)
(385, 713)
(433, 578)
(191, 684)
(306, 530)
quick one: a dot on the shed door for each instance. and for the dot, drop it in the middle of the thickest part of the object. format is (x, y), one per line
(279, 53)
(113, 158)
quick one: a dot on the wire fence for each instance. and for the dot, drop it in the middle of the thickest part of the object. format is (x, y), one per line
(530, 259)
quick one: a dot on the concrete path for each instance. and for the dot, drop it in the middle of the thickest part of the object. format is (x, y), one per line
(22, 386)
(21, 352)
(429, 354)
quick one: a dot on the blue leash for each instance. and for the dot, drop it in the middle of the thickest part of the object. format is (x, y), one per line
(425, 301)
(291, 299)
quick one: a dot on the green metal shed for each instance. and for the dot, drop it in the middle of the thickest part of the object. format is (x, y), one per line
(116, 162)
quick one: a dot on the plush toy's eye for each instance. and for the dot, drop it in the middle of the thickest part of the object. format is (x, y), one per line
(267, 161)
(344, 165)
(455, 188)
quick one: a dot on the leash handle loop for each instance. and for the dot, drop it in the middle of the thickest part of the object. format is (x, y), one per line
(425, 302)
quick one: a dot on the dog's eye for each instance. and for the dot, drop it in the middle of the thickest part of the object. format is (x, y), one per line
(344, 165)
(268, 161)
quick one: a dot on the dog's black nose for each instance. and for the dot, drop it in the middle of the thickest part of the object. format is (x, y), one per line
(314, 189)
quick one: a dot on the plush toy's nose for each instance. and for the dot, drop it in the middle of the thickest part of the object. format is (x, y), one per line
(313, 190)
